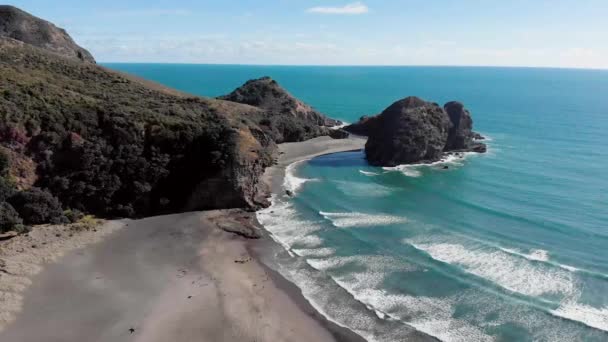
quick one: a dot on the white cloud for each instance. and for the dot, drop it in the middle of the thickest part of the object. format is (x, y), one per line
(151, 12)
(317, 49)
(350, 9)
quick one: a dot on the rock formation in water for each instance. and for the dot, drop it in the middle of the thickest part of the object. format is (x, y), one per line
(78, 137)
(24, 27)
(412, 130)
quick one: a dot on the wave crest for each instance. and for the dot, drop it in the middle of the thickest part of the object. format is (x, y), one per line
(503, 269)
(348, 220)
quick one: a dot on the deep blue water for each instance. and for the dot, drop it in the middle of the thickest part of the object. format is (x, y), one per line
(508, 246)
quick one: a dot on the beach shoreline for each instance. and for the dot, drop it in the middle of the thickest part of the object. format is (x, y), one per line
(290, 153)
(174, 277)
(274, 177)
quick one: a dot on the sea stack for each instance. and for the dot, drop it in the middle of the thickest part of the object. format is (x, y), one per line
(412, 130)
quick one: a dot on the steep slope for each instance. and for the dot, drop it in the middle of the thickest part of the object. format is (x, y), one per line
(22, 26)
(76, 137)
(107, 144)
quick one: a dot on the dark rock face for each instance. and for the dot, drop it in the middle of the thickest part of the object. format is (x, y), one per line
(412, 131)
(24, 27)
(363, 126)
(460, 135)
(338, 134)
(409, 131)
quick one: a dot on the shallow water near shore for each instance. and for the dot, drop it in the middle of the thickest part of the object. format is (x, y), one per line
(507, 246)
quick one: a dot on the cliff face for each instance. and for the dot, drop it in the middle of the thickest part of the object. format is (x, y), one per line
(460, 136)
(24, 27)
(412, 130)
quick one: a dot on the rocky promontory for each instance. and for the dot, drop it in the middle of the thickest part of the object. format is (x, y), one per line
(77, 138)
(285, 118)
(412, 130)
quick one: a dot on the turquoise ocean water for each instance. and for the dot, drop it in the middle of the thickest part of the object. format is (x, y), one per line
(507, 246)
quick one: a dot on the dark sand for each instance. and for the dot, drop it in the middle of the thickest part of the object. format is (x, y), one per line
(166, 278)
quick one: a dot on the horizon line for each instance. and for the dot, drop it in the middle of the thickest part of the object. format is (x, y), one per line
(371, 65)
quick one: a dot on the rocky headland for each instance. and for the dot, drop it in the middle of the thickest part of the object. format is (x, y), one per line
(412, 130)
(78, 138)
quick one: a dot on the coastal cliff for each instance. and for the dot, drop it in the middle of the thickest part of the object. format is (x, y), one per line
(412, 130)
(79, 138)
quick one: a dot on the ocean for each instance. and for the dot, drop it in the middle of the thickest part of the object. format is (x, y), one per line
(511, 245)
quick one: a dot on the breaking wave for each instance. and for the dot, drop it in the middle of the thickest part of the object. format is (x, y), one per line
(292, 182)
(503, 269)
(348, 220)
(369, 173)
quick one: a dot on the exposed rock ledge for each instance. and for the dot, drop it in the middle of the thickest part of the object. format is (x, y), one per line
(412, 130)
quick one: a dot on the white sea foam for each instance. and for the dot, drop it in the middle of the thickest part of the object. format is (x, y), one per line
(375, 263)
(360, 189)
(369, 173)
(344, 124)
(588, 315)
(541, 255)
(310, 241)
(408, 170)
(534, 255)
(433, 316)
(414, 170)
(347, 220)
(282, 221)
(323, 298)
(314, 252)
(492, 311)
(569, 268)
(503, 269)
(292, 182)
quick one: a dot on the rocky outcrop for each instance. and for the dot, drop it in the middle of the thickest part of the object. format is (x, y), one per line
(363, 126)
(412, 130)
(338, 134)
(265, 93)
(282, 116)
(21, 26)
(460, 136)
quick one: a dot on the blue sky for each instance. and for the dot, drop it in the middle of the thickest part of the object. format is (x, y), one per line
(555, 33)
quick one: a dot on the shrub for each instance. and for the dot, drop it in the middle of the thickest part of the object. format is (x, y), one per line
(4, 164)
(37, 206)
(73, 215)
(9, 218)
(7, 188)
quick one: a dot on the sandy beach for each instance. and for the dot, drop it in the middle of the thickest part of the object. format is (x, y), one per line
(299, 151)
(167, 278)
